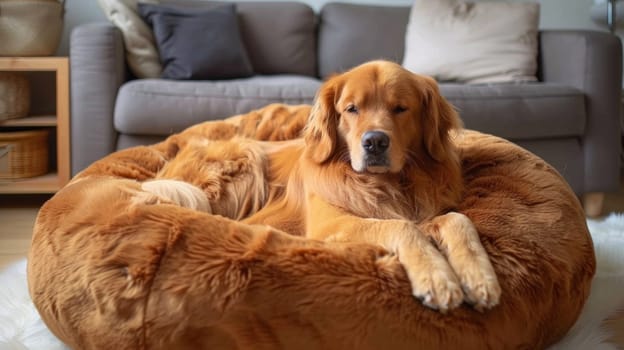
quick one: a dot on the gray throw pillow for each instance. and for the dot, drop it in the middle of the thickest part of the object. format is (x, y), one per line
(198, 44)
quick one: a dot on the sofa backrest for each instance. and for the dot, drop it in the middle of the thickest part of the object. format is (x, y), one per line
(280, 37)
(351, 34)
(290, 38)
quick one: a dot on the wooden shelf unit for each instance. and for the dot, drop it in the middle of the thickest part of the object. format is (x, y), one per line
(53, 181)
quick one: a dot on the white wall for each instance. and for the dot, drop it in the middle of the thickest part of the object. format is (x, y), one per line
(78, 12)
(555, 14)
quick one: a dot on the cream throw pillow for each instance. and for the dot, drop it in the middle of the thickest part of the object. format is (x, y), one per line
(478, 42)
(141, 51)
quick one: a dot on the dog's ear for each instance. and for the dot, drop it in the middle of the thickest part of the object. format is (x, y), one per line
(439, 118)
(320, 133)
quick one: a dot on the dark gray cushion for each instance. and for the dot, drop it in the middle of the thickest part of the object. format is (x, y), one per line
(351, 34)
(280, 37)
(198, 44)
(162, 107)
(528, 111)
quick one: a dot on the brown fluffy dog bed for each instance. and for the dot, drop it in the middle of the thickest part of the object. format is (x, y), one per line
(110, 268)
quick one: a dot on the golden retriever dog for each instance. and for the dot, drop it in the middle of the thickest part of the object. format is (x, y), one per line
(376, 164)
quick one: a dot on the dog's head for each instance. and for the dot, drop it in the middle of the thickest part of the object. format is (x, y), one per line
(379, 115)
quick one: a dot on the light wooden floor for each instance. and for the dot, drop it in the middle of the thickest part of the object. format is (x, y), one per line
(17, 216)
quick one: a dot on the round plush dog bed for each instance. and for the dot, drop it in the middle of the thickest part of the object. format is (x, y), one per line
(111, 269)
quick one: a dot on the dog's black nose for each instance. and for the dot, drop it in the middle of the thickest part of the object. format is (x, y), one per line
(375, 142)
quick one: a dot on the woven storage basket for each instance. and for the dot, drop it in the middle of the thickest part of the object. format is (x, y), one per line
(23, 154)
(14, 95)
(30, 27)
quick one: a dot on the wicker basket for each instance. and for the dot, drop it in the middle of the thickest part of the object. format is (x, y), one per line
(14, 95)
(30, 27)
(23, 154)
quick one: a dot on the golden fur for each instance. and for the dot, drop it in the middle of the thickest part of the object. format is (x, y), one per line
(118, 260)
(323, 187)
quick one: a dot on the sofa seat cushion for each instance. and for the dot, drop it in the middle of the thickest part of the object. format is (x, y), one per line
(519, 111)
(162, 107)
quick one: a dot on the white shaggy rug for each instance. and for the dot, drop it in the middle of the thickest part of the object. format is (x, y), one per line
(21, 327)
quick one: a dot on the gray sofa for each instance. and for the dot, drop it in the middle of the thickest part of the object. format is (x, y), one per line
(570, 117)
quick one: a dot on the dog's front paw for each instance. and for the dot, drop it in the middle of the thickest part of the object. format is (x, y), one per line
(469, 259)
(479, 283)
(433, 281)
(436, 290)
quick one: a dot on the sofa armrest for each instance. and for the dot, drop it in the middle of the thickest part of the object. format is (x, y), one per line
(97, 70)
(591, 61)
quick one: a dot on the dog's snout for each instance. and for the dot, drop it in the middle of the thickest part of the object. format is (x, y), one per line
(375, 142)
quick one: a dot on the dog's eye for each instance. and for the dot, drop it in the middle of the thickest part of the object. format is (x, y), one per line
(351, 109)
(399, 109)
